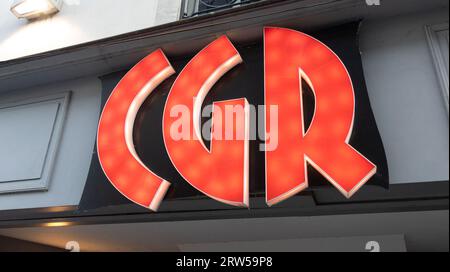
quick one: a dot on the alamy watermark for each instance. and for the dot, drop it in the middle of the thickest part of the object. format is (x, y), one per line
(222, 124)
(373, 2)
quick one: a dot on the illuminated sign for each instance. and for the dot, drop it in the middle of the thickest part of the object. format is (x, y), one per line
(221, 171)
(291, 56)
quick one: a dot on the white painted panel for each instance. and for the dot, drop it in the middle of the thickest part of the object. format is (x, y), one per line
(31, 132)
(24, 140)
(72, 151)
(406, 96)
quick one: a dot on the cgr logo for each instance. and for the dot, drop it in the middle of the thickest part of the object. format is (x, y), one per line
(222, 171)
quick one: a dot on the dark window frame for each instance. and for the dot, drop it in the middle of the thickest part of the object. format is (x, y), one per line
(190, 8)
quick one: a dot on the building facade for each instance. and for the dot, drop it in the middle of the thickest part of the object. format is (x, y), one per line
(57, 73)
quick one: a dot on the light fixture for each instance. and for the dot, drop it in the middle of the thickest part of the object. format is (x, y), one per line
(32, 9)
(57, 224)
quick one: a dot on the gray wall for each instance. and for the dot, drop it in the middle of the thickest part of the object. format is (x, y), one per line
(403, 88)
(406, 96)
(67, 173)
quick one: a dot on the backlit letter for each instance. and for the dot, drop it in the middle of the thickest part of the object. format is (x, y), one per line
(115, 146)
(291, 56)
(221, 172)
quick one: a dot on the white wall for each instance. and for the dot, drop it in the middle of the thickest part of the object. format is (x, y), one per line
(90, 20)
(406, 96)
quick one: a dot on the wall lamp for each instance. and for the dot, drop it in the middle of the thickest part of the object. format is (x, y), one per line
(33, 9)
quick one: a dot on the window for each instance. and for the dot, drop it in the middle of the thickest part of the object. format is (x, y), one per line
(199, 7)
(205, 5)
(439, 44)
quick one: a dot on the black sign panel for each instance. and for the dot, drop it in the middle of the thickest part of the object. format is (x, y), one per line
(245, 80)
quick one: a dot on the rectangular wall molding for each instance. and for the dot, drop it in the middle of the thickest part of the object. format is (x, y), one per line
(30, 133)
(438, 40)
